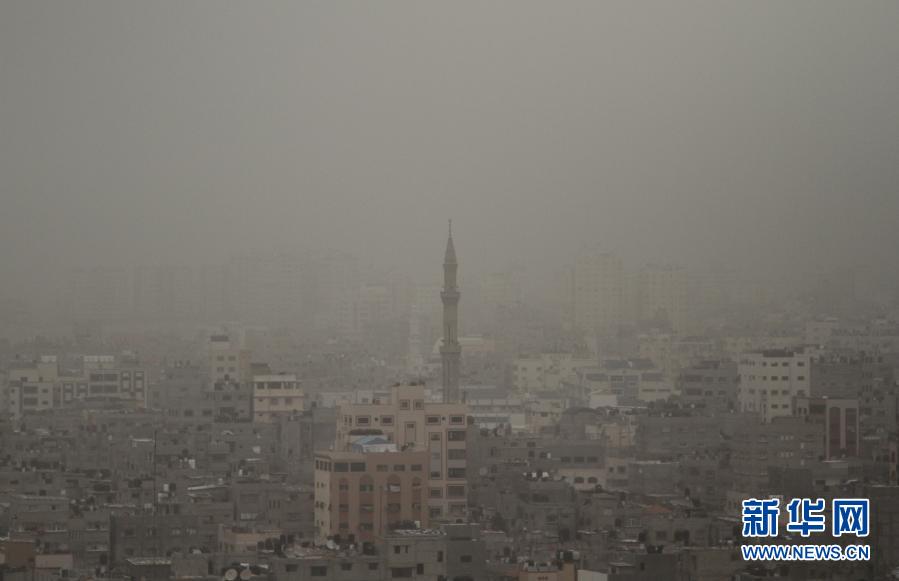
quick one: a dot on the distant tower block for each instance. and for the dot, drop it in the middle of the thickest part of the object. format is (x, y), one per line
(450, 350)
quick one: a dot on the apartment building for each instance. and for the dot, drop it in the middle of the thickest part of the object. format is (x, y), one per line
(597, 282)
(840, 418)
(276, 395)
(544, 371)
(366, 492)
(771, 378)
(411, 422)
(31, 386)
(228, 361)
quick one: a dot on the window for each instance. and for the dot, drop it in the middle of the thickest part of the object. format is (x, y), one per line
(357, 467)
(346, 566)
(455, 491)
(318, 571)
(457, 419)
(436, 493)
(415, 468)
(341, 467)
(465, 559)
(363, 420)
(456, 472)
(382, 468)
(432, 420)
(292, 568)
(455, 435)
(386, 420)
(404, 404)
(435, 436)
(456, 454)
(399, 467)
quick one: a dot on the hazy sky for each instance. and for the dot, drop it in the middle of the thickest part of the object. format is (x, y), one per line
(765, 133)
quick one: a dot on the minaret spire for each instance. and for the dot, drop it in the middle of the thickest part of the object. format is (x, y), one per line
(450, 350)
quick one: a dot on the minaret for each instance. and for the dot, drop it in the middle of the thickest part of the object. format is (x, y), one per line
(450, 350)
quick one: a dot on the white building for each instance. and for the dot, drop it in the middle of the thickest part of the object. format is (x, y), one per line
(275, 395)
(544, 371)
(771, 378)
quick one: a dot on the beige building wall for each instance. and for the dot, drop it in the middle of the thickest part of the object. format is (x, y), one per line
(412, 423)
(363, 494)
(228, 361)
(276, 395)
(770, 379)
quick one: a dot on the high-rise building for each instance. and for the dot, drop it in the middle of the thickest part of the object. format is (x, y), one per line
(450, 350)
(228, 361)
(661, 296)
(413, 424)
(771, 379)
(597, 293)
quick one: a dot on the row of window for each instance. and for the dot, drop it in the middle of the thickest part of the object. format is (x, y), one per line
(752, 363)
(388, 420)
(799, 392)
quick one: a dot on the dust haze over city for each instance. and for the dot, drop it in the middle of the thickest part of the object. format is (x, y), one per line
(228, 275)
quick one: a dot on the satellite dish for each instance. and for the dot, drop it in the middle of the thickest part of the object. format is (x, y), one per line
(245, 574)
(230, 574)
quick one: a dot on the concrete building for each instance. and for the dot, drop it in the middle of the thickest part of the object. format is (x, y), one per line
(662, 296)
(632, 380)
(597, 283)
(492, 408)
(544, 371)
(771, 378)
(784, 441)
(455, 551)
(228, 361)
(366, 493)
(412, 423)
(840, 419)
(276, 395)
(31, 386)
(712, 384)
